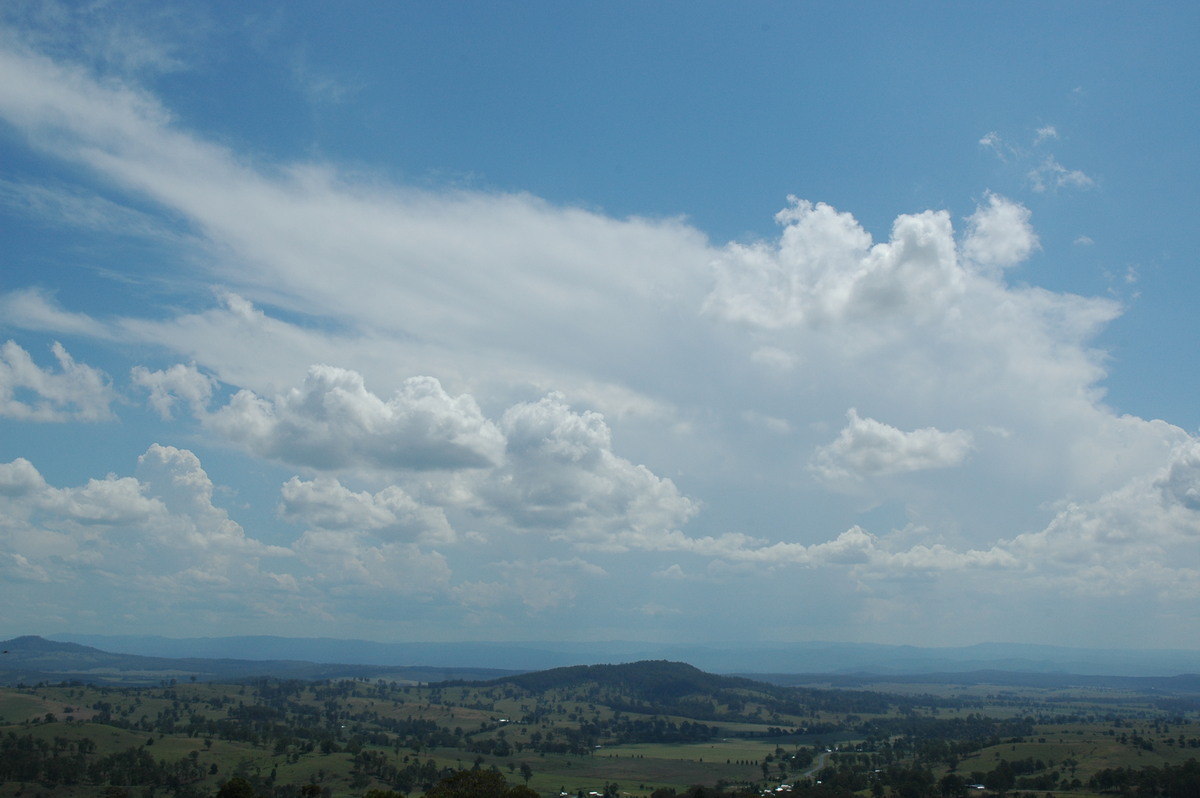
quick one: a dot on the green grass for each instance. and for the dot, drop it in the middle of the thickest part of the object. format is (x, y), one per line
(18, 707)
(637, 768)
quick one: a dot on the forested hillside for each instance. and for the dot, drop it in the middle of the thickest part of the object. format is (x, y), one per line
(650, 729)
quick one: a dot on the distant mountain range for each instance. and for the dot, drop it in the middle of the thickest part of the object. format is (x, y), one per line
(32, 659)
(757, 659)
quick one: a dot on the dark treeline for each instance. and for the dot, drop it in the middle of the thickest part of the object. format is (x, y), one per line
(27, 758)
(1181, 781)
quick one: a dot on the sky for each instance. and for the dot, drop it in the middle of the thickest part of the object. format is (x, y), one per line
(692, 322)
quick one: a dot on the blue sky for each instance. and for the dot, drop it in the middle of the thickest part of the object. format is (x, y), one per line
(692, 322)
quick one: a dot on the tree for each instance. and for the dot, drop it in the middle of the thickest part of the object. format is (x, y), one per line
(471, 784)
(1002, 778)
(526, 772)
(520, 791)
(952, 785)
(237, 787)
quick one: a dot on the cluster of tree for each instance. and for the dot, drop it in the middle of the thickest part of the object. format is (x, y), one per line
(617, 730)
(973, 727)
(657, 730)
(804, 790)
(1167, 781)
(68, 762)
(582, 739)
(907, 770)
(276, 715)
(478, 784)
(1025, 774)
(409, 776)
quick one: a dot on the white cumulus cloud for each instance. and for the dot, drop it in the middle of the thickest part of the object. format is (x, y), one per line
(75, 392)
(333, 421)
(144, 545)
(999, 234)
(324, 503)
(177, 383)
(1143, 537)
(561, 477)
(867, 448)
(824, 270)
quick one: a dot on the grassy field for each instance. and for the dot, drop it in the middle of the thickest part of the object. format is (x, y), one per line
(349, 737)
